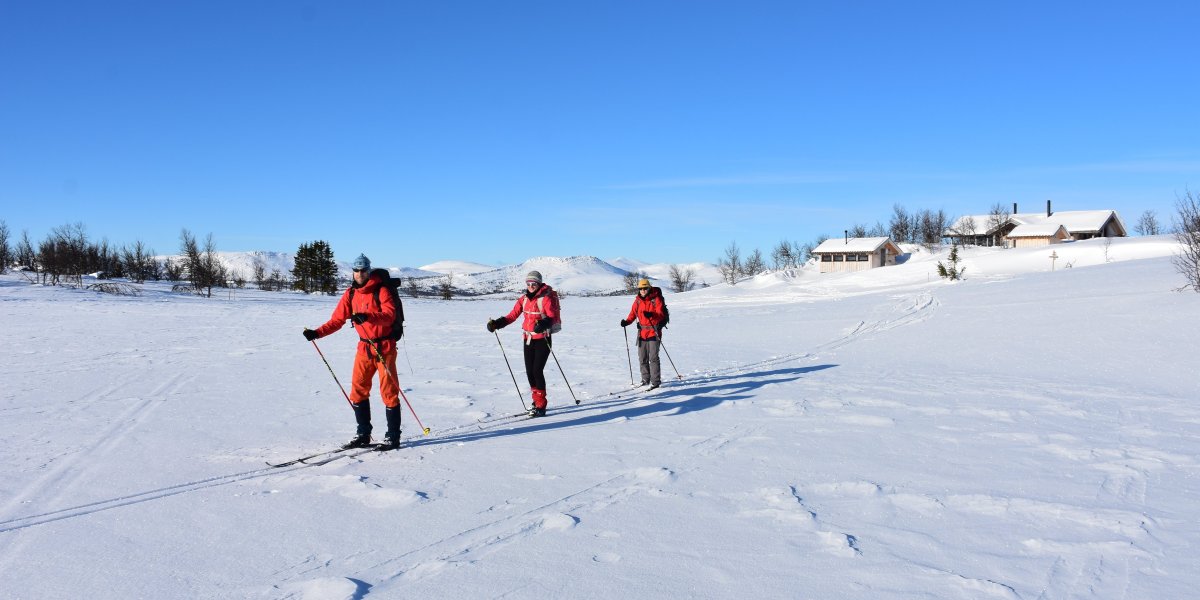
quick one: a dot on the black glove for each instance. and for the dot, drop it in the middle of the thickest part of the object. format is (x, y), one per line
(497, 323)
(625, 323)
(543, 325)
(310, 335)
(359, 318)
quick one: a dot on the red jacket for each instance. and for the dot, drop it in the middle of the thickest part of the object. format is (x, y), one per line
(653, 303)
(529, 305)
(379, 317)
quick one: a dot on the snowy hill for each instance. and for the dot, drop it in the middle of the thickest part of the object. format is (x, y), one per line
(705, 274)
(1024, 433)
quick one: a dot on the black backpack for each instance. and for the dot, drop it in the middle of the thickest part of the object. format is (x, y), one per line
(392, 284)
(663, 299)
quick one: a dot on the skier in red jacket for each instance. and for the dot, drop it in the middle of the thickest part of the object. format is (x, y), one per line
(540, 308)
(373, 324)
(647, 311)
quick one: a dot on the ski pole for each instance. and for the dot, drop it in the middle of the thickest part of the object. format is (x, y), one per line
(628, 357)
(383, 368)
(510, 371)
(664, 347)
(335, 379)
(407, 359)
(560, 370)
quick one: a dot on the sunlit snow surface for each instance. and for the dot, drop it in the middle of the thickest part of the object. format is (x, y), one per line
(1021, 434)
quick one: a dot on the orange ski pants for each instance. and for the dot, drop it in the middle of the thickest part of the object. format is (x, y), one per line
(365, 366)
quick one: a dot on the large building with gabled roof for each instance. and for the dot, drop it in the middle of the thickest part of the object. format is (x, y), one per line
(988, 230)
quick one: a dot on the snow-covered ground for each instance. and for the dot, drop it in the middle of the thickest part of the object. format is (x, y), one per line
(1021, 434)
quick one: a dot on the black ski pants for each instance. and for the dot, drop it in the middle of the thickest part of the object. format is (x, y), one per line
(537, 352)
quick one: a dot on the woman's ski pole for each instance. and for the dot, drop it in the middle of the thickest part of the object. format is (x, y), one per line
(628, 357)
(664, 347)
(510, 371)
(560, 370)
(335, 379)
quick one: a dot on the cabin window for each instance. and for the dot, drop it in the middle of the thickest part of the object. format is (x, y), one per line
(839, 257)
(826, 258)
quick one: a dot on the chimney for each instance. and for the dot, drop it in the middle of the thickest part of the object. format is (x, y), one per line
(1014, 208)
(846, 232)
(1048, 213)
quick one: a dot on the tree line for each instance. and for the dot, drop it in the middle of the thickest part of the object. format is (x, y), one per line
(67, 254)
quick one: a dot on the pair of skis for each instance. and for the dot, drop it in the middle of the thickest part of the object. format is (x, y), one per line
(328, 456)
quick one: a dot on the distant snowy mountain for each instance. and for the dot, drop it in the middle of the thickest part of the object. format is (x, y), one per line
(585, 275)
(457, 267)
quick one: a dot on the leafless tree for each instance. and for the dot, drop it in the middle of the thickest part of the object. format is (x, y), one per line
(174, 269)
(1187, 231)
(932, 227)
(858, 231)
(6, 254)
(630, 280)
(965, 226)
(900, 225)
(65, 255)
(782, 256)
(138, 263)
(204, 268)
(446, 285)
(681, 279)
(999, 215)
(24, 254)
(754, 264)
(731, 264)
(260, 274)
(801, 253)
(1148, 224)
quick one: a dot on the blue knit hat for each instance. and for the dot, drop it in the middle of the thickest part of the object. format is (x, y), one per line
(362, 263)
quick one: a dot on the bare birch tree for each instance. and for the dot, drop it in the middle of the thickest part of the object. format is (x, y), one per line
(1187, 231)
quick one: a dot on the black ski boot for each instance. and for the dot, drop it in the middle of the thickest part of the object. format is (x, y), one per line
(391, 440)
(361, 440)
(362, 415)
(537, 412)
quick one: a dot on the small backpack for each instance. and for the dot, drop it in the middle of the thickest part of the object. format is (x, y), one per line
(556, 325)
(666, 311)
(392, 284)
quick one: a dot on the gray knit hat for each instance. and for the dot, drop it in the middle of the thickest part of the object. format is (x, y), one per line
(533, 276)
(362, 263)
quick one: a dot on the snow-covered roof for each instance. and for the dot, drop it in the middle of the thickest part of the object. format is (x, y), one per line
(1076, 221)
(870, 244)
(1043, 229)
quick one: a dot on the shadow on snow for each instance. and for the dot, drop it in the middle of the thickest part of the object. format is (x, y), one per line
(681, 398)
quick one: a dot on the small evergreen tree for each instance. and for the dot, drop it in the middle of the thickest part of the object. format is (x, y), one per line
(951, 271)
(315, 270)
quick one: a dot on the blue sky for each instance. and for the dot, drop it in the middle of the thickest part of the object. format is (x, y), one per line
(661, 131)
